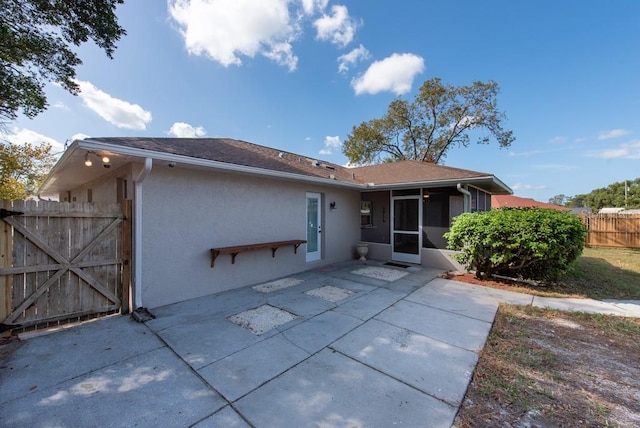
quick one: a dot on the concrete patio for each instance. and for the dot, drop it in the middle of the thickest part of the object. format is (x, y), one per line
(365, 345)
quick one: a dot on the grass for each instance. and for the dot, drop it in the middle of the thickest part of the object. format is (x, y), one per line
(543, 367)
(599, 273)
(604, 273)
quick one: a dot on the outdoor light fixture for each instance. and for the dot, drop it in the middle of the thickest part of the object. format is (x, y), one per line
(104, 158)
(332, 205)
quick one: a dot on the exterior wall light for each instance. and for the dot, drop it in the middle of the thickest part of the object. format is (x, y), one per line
(104, 158)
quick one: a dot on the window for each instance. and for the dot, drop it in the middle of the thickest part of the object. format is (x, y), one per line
(366, 213)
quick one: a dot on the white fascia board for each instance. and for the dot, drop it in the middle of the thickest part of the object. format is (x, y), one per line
(448, 182)
(61, 161)
(221, 166)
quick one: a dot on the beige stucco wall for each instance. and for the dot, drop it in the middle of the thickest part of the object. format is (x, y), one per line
(104, 189)
(186, 212)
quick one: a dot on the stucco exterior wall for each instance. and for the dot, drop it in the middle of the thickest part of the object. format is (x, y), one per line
(185, 213)
(104, 189)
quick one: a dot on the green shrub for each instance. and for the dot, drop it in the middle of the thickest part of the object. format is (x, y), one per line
(531, 243)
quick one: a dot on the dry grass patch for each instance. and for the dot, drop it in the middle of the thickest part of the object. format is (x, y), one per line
(543, 367)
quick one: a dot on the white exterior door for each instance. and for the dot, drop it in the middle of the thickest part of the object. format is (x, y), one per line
(314, 227)
(405, 234)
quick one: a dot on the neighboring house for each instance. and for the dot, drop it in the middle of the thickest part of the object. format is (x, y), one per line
(511, 201)
(610, 210)
(191, 195)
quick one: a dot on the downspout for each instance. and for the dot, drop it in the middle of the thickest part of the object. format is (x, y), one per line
(137, 232)
(466, 198)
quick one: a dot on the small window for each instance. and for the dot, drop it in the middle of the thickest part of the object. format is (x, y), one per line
(366, 213)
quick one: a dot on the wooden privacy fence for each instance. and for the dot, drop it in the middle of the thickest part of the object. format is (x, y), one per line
(612, 230)
(62, 261)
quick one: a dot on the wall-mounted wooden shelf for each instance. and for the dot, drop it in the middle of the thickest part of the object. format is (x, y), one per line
(273, 246)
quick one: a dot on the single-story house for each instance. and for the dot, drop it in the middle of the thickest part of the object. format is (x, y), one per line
(512, 201)
(192, 195)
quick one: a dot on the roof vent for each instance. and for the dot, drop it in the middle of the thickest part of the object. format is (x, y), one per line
(353, 175)
(315, 163)
(329, 166)
(331, 176)
(281, 155)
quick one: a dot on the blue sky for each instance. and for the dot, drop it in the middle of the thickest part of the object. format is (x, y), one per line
(298, 75)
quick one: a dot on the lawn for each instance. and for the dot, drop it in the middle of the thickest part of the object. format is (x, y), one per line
(543, 367)
(599, 273)
(604, 273)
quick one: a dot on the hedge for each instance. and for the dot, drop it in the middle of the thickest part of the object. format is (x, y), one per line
(530, 243)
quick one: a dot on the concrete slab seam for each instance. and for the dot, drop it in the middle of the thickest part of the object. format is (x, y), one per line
(453, 406)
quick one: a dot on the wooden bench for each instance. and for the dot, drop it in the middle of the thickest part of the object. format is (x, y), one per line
(234, 251)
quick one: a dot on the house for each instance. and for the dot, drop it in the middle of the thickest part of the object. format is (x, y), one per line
(192, 195)
(512, 201)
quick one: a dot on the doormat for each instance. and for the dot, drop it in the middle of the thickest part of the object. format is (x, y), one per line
(400, 265)
(262, 319)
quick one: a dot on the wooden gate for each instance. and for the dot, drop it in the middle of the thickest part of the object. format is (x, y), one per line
(62, 261)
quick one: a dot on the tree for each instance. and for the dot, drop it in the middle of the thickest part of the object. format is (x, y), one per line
(22, 168)
(36, 37)
(558, 199)
(613, 195)
(440, 117)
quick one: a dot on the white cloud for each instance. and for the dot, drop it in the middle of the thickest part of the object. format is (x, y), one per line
(356, 55)
(184, 130)
(629, 150)
(310, 6)
(61, 105)
(225, 30)
(614, 133)
(394, 74)
(330, 143)
(338, 28)
(522, 186)
(115, 111)
(21, 136)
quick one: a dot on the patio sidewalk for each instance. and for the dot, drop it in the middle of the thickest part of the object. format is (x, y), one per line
(360, 344)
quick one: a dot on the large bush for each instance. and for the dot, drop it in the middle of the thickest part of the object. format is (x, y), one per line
(532, 243)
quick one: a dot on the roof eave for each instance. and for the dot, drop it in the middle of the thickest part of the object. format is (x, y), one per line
(441, 183)
(89, 144)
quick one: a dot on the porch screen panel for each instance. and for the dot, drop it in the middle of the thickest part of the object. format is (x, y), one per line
(405, 214)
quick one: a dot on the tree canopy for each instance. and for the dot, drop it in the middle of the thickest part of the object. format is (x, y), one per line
(440, 117)
(36, 37)
(613, 196)
(23, 168)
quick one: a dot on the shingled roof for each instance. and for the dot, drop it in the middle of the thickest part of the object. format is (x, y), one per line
(244, 157)
(235, 152)
(412, 171)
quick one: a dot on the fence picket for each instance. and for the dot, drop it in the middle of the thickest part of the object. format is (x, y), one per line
(612, 230)
(65, 261)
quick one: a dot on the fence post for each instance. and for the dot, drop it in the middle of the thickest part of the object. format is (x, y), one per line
(126, 255)
(5, 262)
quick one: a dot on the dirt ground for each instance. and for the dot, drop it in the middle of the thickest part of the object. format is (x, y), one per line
(543, 368)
